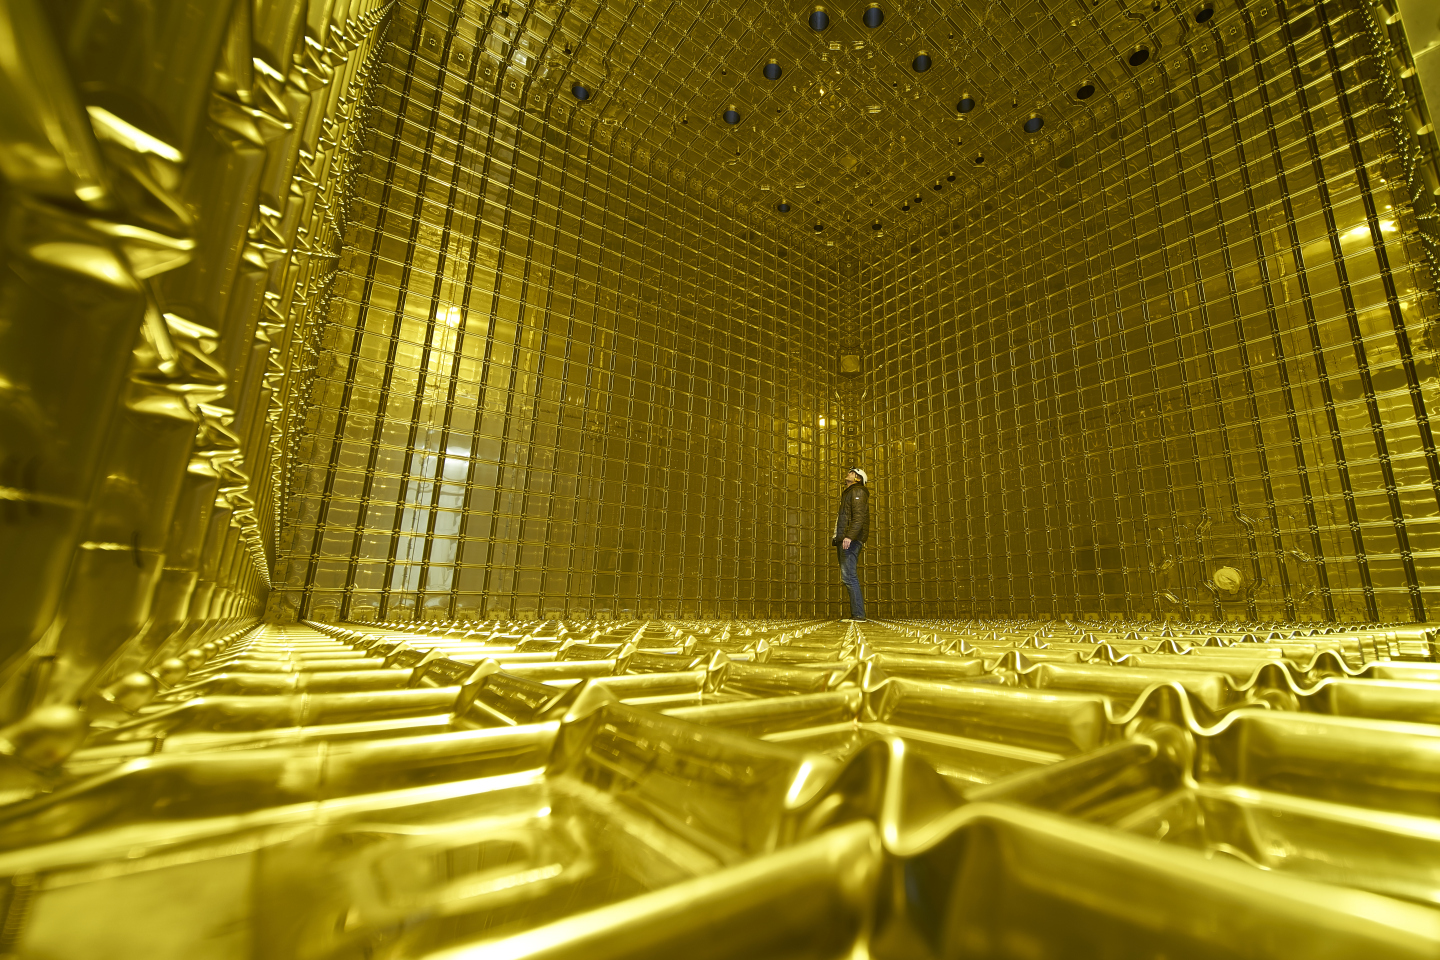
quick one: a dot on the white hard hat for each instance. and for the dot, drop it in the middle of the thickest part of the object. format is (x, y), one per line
(864, 477)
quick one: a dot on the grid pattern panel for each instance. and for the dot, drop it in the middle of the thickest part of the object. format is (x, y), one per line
(1175, 367)
(555, 382)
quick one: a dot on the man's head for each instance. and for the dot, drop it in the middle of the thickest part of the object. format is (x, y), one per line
(856, 475)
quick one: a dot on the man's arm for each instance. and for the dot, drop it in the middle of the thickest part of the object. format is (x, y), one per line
(859, 513)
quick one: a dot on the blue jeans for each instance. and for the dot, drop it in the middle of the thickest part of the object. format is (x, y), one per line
(848, 559)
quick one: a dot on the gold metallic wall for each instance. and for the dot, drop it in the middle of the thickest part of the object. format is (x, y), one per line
(1174, 362)
(559, 378)
(173, 185)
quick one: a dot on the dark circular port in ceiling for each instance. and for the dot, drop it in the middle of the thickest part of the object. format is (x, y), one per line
(873, 16)
(1204, 14)
(1034, 123)
(922, 62)
(783, 207)
(966, 104)
(938, 185)
(1085, 92)
(580, 92)
(772, 71)
(819, 19)
(1139, 56)
(731, 115)
(979, 159)
(950, 178)
(819, 227)
(875, 225)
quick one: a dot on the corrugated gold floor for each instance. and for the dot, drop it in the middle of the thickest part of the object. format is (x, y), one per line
(807, 789)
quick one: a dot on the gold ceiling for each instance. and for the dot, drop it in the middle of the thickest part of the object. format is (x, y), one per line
(850, 133)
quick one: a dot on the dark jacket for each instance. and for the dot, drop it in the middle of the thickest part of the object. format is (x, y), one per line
(854, 520)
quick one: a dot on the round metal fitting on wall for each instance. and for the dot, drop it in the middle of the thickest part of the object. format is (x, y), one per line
(783, 207)
(819, 19)
(580, 92)
(873, 16)
(966, 104)
(1138, 56)
(1086, 91)
(731, 115)
(1228, 582)
(772, 70)
(1033, 123)
(922, 62)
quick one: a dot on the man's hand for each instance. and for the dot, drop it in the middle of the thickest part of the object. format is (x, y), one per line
(845, 544)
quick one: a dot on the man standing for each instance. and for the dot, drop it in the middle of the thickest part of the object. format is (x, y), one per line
(851, 529)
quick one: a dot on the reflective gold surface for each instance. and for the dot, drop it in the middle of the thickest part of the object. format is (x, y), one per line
(815, 788)
(1178, 361)
(420, 430)
(176, 179)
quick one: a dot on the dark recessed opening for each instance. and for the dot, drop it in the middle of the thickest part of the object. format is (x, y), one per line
(875, 225)
(938, 185)
(819, 19)
(819, 227)
(1085, 92)
(772, 71)
(905, 206)
(1034, 124)
(966, 104)
(950, 179)
(1139, 56)
(1204, 14)
(580, 92)
(873, 16)
(783, 207)
(731, 116)
(922, 62)
(979, 159)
